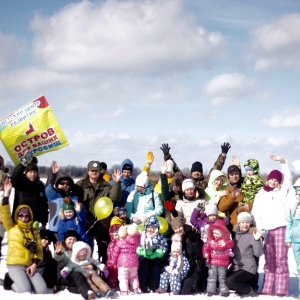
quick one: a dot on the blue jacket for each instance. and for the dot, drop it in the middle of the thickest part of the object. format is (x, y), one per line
(127, 184)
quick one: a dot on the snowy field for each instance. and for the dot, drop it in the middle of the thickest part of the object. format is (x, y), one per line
(293, 286)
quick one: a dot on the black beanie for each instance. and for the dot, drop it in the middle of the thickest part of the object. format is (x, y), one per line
(31, 167)
(71, 232)
(127, 167)
(103, 165)
(197, 166)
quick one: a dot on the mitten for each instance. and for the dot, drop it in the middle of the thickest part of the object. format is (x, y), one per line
(225, 148)
(148, 252)
(168, 269)
(165, 149)
(102, 267)
(157, 254)
(200, 206)
(149, 158)
(140, 251)
(169, 205)
(64, 274)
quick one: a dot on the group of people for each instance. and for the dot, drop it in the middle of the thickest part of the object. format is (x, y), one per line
(219, 226)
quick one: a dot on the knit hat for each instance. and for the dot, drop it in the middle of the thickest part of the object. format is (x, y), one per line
(211, 209)
(31, 167)
(142, 179)
(197, 166)
(127, 167)
(119, 211)
(233, 168)
(151, 221)
(103, 165)
(71, 233)
(170, 166)
(244, 216)
(47, 235)
(188, 183)
(68, 204)
(177, 222)
(275, 174)
(176, 243)
(94, 165)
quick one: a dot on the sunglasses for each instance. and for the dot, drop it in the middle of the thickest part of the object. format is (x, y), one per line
(23, 216)
(64, 183)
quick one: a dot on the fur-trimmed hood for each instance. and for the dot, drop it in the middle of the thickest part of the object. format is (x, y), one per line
(77, 246)
(219, 225)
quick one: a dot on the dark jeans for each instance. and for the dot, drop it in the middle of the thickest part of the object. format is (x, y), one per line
(239, 281)
(149, 273)
(196, 282)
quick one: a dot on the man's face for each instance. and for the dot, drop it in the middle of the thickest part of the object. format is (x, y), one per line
(196, 174)
(234, 176)
(32, 175)
(126, 173)
(94, 174)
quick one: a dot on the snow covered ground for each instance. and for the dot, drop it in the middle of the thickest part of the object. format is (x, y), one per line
(293, 286)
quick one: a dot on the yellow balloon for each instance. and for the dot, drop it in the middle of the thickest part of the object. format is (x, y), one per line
(103, 208)
(163, 224)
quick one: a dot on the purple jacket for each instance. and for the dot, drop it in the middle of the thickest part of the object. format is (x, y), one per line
(124, 253)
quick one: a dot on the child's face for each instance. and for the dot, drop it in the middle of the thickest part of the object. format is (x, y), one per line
(81, 256)
(218, 182)
(189, 192)
(179, 230)
(115, 235)
(69, 214)
(249, 172)
(123, 216)
(175, 254)
(212, 218)
(150, 229)
(244, 225)
(217, 234)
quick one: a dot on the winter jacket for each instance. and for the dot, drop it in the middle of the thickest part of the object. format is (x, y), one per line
(218, 255)
(74, 265)
(270, 209)
(292, 233)
(17, 235)
(31, 193)
(56, 197)
(127, 184)
(143, 205)
(62, 259)
(110, 248)
(251, 184)
(211, 192)
(245, 251)
(88, 195)
(124, 253)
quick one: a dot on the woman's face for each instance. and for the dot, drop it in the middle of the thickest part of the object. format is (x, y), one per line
(218, 182)
(64, 185)
(189, 192)
(69, 242)
(179, 230)
(244, 225)
(273, 183)
(32, 175)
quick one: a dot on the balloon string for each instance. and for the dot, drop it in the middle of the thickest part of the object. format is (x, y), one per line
(90, 228)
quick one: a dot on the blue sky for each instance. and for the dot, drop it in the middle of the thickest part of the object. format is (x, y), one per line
(123, 77)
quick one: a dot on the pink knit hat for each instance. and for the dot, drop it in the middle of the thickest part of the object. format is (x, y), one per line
(275, 174)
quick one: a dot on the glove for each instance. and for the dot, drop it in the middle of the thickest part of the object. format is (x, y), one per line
(148, 252)
(140, 251)
(149, 158)
(169, 205)
(157, 254)
(64, 274)
(165, 149)
(225, 147)
(200, 206)
(106, 272)
(101, 267)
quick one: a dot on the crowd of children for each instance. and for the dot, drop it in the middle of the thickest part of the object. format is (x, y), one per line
(218, 227)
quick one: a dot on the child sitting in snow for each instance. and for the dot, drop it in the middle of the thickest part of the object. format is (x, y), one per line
(125, 258)
(72, 216)
(79, 262)
(177, 269)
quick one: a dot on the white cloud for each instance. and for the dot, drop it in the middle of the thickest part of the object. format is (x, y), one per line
(277, 44)
(131, 36)
(227, 88)
(280, 141)
(287, 118)
(296, 165)
(10, 50)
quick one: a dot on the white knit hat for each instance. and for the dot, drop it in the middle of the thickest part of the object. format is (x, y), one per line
(211, 209)
(142, 179)
(244, 216)
(187, 183)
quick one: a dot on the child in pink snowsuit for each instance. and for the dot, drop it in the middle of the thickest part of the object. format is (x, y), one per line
(125, 258)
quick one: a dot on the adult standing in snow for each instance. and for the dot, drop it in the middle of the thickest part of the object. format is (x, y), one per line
(25, 248)
(270, 210)
(91, 188)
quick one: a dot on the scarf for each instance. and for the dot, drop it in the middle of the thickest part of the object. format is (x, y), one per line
(146, 240)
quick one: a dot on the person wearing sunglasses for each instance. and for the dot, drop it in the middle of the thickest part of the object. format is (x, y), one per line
(24, 250)
(58, 186)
